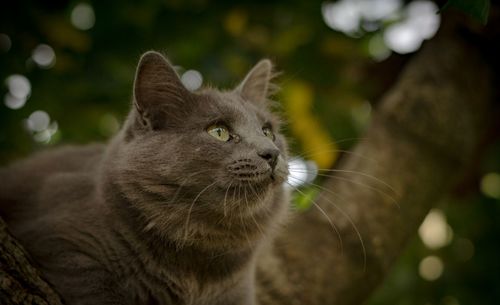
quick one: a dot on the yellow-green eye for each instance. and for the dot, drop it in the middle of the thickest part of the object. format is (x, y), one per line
(268, 132)
(220, 132)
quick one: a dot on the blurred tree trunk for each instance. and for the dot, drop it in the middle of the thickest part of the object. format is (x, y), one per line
(422, 136)
(421, 139)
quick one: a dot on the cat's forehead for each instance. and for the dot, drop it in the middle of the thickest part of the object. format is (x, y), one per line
(230, 103)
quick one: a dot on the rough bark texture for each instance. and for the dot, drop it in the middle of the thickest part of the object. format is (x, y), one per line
(20, 281)
(422, 135)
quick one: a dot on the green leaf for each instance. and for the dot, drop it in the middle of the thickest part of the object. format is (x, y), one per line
(304, 199)
(478, 9)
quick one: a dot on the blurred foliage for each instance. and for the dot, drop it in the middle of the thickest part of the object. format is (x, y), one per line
(479, 9)
(330, 83)
(94, 69)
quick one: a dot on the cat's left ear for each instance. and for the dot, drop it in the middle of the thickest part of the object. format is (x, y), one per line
(160, 98)
(257, 85)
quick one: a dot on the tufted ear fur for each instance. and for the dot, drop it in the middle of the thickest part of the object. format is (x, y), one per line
(257, 86)
(160, 98)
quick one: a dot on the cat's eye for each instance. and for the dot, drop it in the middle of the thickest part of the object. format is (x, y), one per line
(220, 132)
(268, 132)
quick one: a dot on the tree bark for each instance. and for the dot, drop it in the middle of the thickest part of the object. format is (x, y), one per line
(420, 140)
(421, 137)
(20, 281)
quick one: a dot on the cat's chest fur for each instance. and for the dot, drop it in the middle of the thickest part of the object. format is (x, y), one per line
(164, 274)
(79, 228)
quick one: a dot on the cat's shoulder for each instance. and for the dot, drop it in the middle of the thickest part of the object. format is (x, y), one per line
(66, 169)
(45, 163)
(65, 158)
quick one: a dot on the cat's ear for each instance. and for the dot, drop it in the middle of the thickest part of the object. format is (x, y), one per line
(257, 85)
(158, 91)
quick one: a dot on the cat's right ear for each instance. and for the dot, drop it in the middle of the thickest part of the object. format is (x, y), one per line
(158, 91)
(257, 85)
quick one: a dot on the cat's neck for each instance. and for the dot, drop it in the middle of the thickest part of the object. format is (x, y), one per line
(215, 273)
(204, 252)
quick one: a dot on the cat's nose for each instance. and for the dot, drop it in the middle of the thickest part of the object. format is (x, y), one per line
(270, 155)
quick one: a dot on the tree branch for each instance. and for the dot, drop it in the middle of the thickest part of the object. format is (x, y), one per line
(421, 137)
(20, 281)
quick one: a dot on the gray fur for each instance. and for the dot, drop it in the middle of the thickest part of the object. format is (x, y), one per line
(164, 213)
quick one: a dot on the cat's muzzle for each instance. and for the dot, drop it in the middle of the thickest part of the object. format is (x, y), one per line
(247, 171)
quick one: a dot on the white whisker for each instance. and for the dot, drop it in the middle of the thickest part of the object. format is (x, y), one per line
(353, 172)
(224, 204)
(186, 225)
(349, 219)
(251, 214)
(381, 192)
(332, 225)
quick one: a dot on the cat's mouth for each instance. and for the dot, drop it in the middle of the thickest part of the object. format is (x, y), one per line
(254, 177)
(246, 173)
(260, 179)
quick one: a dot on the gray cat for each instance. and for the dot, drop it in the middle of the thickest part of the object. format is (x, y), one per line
(174, 210)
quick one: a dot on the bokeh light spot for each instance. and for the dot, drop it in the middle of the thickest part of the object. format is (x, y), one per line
(421, 23)
(402, 38)
(38, 121)
(13, 102)
(18, 85)
(378, 9)
(41, 128)
(44, 56)
(490, 185)
(431, 268)
(342, 16)
(347, 15)
(434, 231)
(42, 136)
(82, 16)
(192, 80)
(423, 14)
(301, 172)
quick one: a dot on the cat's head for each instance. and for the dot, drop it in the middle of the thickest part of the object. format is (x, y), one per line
(216, 150)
